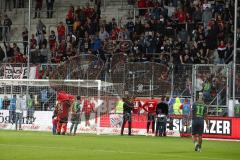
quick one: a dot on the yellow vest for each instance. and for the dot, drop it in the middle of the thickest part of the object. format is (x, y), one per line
(176, 106)
(119, 106)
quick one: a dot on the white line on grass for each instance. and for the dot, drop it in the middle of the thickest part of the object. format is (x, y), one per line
(111, 151)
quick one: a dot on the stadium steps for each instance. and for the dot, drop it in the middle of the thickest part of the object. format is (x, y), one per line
(112, 9)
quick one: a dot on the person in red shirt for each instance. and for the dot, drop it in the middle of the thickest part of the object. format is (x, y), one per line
(181, 16)
(63, 117)
(150, 107)
(52, 42)
(137, 106)
(88, 108)
(33, 42)
(88, 11)
(38, 8)
(61, 32)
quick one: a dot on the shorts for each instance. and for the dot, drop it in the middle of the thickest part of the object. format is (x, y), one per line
(197, 126)
(64, 120)
(75, 118)
(87, 117)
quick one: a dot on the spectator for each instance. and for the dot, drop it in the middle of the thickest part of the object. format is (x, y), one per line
(229, 53)
(76, 26)
(206, 17)
(211, 38)
(7, 22)
(25, 40)
(197, 15)
(7, 4)
(181, 16)
(207, 89)
(30, 107)
(43, 54)
(20, 107)
(103, 34)
(50, 4)
(52, 42)
(70, 19)
(16, 48)
(2, 54)
(221, 52)
(61, 32)
(12, 110)
(41, 31)
(6, 102)
(98, 8)
(38, 8)
(33, 42)
(9, 50)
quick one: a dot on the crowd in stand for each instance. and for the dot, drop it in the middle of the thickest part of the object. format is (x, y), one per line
(178, 32)
(181, 32)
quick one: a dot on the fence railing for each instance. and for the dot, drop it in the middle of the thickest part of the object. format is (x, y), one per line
(136, 78)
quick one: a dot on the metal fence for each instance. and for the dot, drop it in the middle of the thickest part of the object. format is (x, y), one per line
(141, 79)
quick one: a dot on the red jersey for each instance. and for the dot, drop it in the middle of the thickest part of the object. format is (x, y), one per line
(150, 106)
(87, 107)
(61, 30)
(181, 16)
(65, 110)
(137, 106)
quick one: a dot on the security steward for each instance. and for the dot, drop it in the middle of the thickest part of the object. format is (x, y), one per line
(127, 114)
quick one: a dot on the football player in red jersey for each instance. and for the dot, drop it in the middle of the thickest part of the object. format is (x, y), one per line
(88, 108)
(63, 116)
(150, 107)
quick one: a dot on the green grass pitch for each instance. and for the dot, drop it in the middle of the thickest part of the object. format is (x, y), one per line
(44, 146)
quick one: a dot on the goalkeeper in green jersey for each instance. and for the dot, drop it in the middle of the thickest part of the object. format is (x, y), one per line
(75, 115)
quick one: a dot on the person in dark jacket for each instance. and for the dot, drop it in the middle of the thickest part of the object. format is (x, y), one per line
(49, 8)
(161, 114)
(127, 114)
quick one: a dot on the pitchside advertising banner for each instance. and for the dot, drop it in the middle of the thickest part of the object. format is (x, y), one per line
(220, 127)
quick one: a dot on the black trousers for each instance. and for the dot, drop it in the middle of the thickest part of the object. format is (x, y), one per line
(49, 10)
(151, 119)
(161, 126)
(127, 117)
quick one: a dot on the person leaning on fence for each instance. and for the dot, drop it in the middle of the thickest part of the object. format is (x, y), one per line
(6, 102)
(177, 106)
(75, 115)
(30, 107)
(20, 107)
(12, 110)
(127, 114)
(186, 112)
